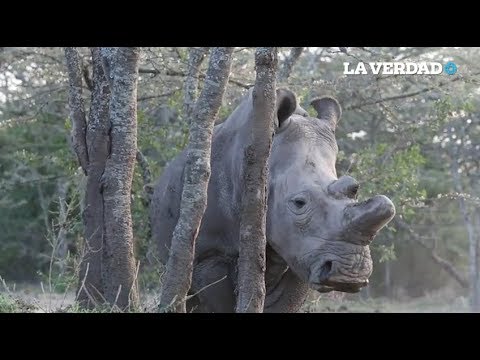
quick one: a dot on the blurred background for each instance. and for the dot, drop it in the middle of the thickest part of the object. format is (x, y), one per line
(414, 138)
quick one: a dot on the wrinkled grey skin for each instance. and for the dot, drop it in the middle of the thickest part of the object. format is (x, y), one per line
(317, 234)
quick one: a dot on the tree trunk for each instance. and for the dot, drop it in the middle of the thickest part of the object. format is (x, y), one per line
(472, 250)
(77, 107)
(119, 275)
(195, 60)
(178, 276)
(90, 291)
(475, 186)
(106, 149)
(289, 63)
(251, 262)
(476, 297)
(61, 245)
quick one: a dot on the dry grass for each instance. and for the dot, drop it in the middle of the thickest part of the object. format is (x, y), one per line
(32, 299)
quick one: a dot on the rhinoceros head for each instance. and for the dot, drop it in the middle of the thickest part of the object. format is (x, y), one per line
(314, 221)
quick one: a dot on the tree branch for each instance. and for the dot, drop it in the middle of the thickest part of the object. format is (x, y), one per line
(195, 60)
(171, 72)
(289, 63)
(148, 97)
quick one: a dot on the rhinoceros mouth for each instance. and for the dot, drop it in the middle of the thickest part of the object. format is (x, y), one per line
(331, 275)
(343, 287)
(346, 271)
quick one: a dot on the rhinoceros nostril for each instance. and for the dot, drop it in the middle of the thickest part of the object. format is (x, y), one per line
(352, 191)
(326, 268)
(325, 271)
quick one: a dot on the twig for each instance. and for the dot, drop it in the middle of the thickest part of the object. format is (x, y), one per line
(168, 93)
(171, 72)
(116, 298)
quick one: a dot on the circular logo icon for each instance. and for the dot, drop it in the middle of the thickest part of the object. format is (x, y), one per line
(450, 68)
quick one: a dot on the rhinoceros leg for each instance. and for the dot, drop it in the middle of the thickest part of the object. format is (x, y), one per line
(213, 294)
(288, 296)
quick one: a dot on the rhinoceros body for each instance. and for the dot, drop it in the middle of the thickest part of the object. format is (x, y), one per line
(317, 234)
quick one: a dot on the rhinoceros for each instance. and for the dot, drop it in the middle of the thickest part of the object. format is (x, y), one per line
(318, 234)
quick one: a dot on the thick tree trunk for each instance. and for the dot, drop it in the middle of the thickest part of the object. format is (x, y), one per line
(106, 148)
(119, 275)
(289, 63)
(195, 60)
(178, 276)
(90, 290)
(251, 262)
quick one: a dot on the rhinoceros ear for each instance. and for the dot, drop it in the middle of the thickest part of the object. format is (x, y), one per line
(286, 105)
(328, 109)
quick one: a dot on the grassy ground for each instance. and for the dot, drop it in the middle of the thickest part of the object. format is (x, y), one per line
(427, 304)
(34, 299)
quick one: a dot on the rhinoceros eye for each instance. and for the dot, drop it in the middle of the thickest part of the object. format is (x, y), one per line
(299, 203)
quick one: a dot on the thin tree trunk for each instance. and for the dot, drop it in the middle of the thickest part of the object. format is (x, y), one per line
(195, 60)
(77, 107)
(146, 177)
(472, 250)
(178, 276)
(289, 63)
(475, 186)
(61, 245)
(388, 281)
(119, 275)
(476, 299)
(90, 291)
(251, 262)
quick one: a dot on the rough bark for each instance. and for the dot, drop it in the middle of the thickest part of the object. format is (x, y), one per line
(251, 262)
(195, 60)
(108, 62)
(178, 276)
(289, 63)
(90, 288)
(77, 107)
(119, 270)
